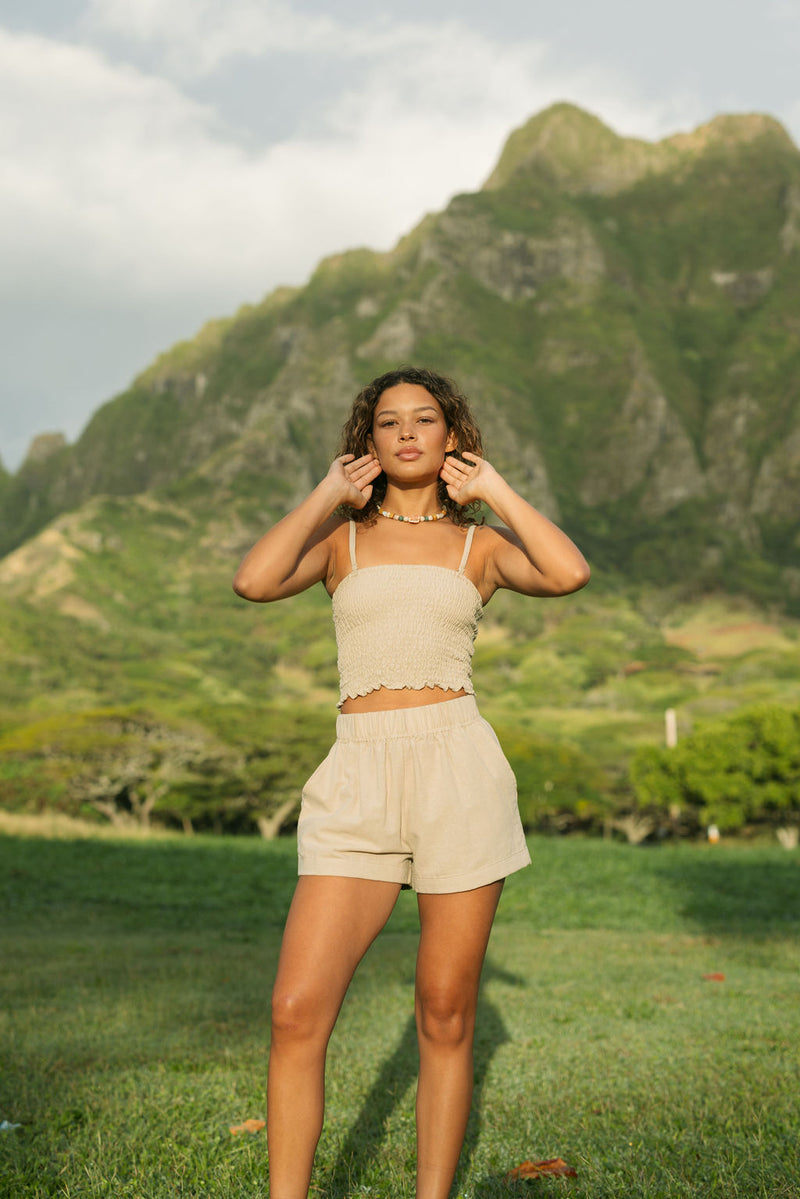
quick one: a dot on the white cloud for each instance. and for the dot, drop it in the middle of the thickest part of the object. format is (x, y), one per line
(200, 35)
(92, 156)
(116, 178)
(403, 67)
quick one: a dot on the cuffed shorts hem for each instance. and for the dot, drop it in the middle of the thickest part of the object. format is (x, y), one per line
(373, 871)
(351, 866)
(469, 880)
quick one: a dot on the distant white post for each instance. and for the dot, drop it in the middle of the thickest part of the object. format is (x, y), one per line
(671, 728)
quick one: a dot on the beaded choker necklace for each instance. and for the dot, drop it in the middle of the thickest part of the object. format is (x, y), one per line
(412, 520)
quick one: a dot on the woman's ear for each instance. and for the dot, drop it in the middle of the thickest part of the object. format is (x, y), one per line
(452, 442)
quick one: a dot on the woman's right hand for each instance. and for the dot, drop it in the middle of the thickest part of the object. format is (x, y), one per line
(296, 552)
(355, 477)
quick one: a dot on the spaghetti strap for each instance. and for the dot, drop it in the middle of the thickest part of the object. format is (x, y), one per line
(353, 563)
(467, 547)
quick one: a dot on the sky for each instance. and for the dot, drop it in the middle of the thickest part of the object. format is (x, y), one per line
(163, 162)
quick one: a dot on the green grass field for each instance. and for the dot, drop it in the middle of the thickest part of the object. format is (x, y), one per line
(136, 976)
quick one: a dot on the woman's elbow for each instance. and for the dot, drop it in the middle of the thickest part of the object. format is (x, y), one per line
(244, 584)
(583, 574)
(240, 587)
(573, 579)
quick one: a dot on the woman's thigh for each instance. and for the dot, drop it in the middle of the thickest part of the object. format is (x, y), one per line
(332, 922)
(454, 933)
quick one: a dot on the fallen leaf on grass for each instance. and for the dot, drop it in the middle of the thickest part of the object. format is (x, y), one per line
(248, 1126)
(714, 978)
(553, 1165)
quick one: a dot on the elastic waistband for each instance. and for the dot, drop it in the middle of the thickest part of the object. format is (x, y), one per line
(407, 722)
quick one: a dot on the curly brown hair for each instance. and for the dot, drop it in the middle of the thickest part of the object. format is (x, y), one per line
(357, 430)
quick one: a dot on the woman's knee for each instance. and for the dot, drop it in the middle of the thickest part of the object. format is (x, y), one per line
(445, 1016)
(298, 1015)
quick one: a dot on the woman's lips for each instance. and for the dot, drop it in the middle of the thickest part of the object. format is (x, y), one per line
(409, 455)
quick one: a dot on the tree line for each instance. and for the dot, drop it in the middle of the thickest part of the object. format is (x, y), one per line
(128, 766)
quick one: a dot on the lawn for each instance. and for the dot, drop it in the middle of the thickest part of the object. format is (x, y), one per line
(136, 976)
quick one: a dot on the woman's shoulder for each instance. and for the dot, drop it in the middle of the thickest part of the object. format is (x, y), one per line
(486, 537)
(494, 535)
(492, 541)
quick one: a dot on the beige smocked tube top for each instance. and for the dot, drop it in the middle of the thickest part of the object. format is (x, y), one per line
(405, 626)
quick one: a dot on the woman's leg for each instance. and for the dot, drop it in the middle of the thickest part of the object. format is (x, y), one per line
(331, 924)
(454, 932)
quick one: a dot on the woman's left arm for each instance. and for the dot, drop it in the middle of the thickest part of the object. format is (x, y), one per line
(531, 555)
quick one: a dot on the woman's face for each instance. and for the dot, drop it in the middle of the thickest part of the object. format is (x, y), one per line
(409, 433)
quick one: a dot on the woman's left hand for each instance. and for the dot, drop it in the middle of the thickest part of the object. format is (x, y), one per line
(529, 553)
(466, 481)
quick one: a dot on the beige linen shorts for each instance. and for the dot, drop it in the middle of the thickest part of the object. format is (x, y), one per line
(418, 796)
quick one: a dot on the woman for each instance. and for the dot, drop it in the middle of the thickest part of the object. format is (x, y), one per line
(416, 790)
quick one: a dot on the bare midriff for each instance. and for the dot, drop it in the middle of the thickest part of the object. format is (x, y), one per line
(384, 699)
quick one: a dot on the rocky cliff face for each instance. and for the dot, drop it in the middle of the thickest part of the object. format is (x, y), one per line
(624, 315)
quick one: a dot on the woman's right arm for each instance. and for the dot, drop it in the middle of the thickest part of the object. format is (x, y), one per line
(296, 552)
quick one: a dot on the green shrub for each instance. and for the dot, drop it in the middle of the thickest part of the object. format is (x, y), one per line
(745, 770)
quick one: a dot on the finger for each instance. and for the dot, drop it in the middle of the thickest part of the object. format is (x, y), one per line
(476, 458)
(364, 460)
(460, 464)
(344, 458)
(455, 470)
(360, 463)
(363, 474)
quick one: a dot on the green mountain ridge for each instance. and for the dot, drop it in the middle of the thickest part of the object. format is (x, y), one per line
(580, 153)
(623, 315)
(622, 312)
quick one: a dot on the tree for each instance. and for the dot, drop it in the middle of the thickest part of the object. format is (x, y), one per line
(132, 766)
(744, 770)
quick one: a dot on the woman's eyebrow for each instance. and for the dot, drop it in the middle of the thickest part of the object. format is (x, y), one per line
(393, 411)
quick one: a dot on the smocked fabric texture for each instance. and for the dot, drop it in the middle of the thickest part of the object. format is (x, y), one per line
(405, 625)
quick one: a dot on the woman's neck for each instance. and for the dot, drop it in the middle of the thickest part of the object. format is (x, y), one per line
(412, 501)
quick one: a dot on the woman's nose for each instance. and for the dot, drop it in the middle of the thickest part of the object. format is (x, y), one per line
(407, 433)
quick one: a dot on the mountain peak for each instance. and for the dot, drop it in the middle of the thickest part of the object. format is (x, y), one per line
(577, 152)
(573, 148)
(43, 446)
(730, 129)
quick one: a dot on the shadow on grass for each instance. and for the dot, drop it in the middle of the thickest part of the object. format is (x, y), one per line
(362, 1147)
(739, 892)
(490, 1034)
